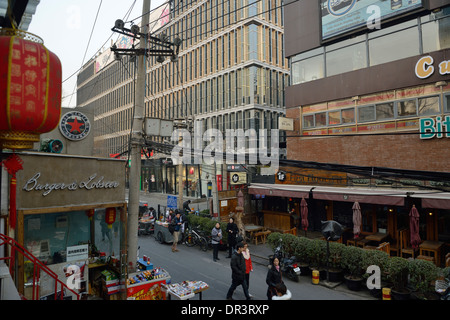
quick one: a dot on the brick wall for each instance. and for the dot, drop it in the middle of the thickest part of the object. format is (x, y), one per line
(392, 151)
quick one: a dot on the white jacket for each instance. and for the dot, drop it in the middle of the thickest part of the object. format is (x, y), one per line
(286, 296)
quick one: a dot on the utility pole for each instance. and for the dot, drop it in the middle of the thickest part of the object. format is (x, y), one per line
(160, 47)
(136, 145)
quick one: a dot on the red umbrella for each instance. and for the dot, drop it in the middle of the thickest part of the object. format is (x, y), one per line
(304, 214)
(356, 219)
(414, 227)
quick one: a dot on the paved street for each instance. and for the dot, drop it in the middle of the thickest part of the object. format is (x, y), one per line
(194, 264)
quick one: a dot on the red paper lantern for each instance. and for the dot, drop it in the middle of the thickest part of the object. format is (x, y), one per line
(110, 216)
(30, 89)
(90, 213)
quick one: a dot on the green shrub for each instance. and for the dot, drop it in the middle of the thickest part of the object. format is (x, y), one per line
(352, 261)
(422, 275)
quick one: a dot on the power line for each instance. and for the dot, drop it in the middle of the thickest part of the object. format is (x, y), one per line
(74, 73)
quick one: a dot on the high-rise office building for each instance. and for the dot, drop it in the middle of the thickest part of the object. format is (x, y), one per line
(230, 74)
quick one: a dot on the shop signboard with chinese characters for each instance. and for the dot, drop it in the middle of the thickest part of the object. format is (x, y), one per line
(296, 176)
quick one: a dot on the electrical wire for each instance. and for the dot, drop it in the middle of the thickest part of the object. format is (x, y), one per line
(126, 15)
(87, 46)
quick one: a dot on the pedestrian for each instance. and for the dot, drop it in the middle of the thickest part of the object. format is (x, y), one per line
(216, 237)
(232, 231)
(186, 208)
(176, 230)
(282, 292)
(273, 278)
(237, 264)
(248, 263)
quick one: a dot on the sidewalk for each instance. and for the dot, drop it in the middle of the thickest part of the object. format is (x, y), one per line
(260, 254)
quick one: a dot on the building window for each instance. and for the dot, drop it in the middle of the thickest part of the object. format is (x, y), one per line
(428, 105)
(447, 103)
(320, 119)
(347, 57)
(407, 108)
(385, 111)
(348, 115)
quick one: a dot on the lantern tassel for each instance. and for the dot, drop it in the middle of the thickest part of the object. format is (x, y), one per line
(12, 202)
(12, 164)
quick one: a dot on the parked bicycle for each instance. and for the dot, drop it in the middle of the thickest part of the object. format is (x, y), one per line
(194, 237)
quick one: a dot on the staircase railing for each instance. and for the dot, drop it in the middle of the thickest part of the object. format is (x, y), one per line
(38, 266)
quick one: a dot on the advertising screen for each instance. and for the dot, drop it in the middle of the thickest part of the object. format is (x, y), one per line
(340, 17)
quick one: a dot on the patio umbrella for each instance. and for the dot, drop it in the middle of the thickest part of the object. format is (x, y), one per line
(414, 227)
(304, 214)
(356, 219)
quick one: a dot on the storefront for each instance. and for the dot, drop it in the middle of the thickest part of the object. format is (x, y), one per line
(71, 215)
(331, 196)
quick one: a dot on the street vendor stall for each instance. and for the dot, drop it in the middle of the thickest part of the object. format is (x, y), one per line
(146, 225)
(146, 284)
(185, 290)
(162, 233)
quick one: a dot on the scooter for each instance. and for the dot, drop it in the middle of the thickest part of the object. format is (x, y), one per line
(442, 287)
(288, 265)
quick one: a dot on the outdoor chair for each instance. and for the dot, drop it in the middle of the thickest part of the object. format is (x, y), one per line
(395, 246)
(386, 247)
(406, 248)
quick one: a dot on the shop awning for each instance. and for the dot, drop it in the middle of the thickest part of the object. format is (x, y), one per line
(391, 197)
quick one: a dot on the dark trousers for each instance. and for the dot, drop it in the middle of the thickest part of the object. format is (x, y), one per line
(234, 285)
(215, 251)
(247, 280)
(231, 247)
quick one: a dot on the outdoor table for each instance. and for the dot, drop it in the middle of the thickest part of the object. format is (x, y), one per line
(379, 237)
(252, 229)
(376, 237)
(434, 247)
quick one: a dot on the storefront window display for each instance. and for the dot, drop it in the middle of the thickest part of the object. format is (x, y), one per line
(50, 236)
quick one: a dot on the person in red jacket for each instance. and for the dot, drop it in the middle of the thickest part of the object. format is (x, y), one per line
(248, 264)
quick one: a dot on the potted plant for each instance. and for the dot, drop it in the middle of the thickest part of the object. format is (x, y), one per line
(397, 274)
(316, 253)
(301, 253)
(422, 276)
(335, 270)
(352, 263)
(377, 258)
(273, 239)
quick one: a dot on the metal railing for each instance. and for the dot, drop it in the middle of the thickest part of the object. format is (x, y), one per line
(38, 266)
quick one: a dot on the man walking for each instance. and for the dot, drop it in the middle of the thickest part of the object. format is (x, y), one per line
(176, 231)
(238, 272)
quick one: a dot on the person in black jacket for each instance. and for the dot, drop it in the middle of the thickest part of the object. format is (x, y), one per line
(273, 278)
(232, 231)
(237, 264)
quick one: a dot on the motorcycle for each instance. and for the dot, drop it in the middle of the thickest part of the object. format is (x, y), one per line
(288, 265)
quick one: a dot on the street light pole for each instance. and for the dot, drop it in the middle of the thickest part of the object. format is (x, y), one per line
(136, 145)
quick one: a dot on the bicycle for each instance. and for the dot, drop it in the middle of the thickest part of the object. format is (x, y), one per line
(194, 237)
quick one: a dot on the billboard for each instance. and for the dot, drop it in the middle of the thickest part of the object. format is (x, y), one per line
(159, 17)
(340, 17)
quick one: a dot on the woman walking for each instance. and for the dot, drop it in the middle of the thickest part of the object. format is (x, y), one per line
(273, 278)
(248, 264)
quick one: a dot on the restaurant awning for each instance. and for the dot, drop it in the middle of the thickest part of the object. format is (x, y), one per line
(393, 197)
